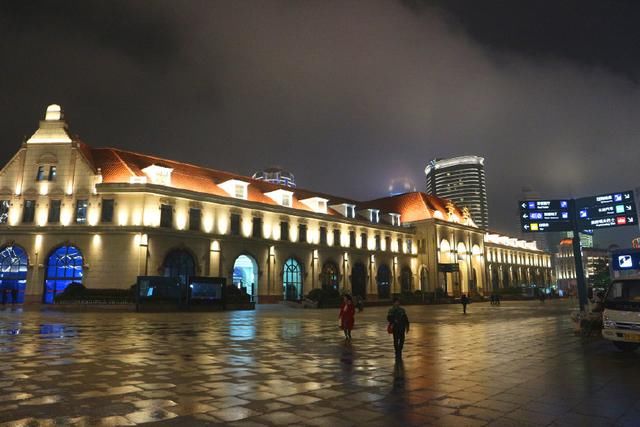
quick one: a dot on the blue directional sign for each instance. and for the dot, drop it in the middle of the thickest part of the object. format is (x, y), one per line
(546, 215)
(607, 210)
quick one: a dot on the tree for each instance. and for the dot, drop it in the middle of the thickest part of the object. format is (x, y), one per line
(601, 277)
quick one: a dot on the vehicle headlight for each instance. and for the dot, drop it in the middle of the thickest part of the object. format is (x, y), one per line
(608, 323)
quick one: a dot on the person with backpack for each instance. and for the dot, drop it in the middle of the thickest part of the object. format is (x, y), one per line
(398, 326)
(464, 301)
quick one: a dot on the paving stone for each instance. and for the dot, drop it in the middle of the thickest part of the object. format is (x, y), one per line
(513, 365)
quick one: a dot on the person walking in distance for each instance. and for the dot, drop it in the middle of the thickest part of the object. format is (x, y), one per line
(346, 316)
(464, 301)
(399, 325)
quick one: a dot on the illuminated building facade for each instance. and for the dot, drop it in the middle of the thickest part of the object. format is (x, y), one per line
(461, 180)
(592, 259)
(103, 216)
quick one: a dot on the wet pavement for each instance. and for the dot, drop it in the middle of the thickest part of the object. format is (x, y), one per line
(514, 365)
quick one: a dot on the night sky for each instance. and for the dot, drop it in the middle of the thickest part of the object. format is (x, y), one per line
(346, 94)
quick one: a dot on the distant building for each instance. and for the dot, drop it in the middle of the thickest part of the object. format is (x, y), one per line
(461, 180)
(566, 268)
(276, 175)
(401, 186)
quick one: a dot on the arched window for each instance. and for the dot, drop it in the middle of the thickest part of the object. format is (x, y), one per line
(384, 281)
(330, 276)
(64, 266)
(406, 279)
(359, 280)
(424, 279)
(13, 274)
(245, 274)
(179, 263)
(292, 280)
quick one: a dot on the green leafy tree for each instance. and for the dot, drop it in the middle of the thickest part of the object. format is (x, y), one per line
(601, 277)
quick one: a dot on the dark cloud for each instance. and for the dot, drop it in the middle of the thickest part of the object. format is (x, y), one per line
(347, 95)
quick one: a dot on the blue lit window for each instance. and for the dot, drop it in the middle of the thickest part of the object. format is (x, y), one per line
(64, 266)
(40, 176)
(13, 274)
(292, 280)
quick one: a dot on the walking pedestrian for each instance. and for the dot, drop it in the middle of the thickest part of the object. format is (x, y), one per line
(399, 325)
(464, 300)
(346, 316)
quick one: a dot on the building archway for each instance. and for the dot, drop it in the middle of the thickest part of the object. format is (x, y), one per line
(330, 276)
(445, 251)
(506, 283)
(359, 280)
(292, 280)
(13, 274)
(65, 265)
(245, 275)
(495, 278)
(464, 268)
(406, 280)
(384, 281)
(179, 263)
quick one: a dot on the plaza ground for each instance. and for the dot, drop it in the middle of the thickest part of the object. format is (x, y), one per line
(514, 365)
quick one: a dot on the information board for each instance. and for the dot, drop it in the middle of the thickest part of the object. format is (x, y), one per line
(606, 210)
(545, 215)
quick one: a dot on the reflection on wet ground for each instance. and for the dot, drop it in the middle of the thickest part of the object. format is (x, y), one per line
(518, 364)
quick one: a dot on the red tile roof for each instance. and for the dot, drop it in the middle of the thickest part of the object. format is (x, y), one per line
(119, 166)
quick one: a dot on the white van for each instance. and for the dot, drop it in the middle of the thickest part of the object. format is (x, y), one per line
(621, 315)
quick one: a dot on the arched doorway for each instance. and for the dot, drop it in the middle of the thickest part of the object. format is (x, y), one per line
(330, 276)
(245, 275)
(13, 274)
(179, 263)
(384, 282)
(359, 280)
(506, 282)
(473, 281)
(292, 280)
(463, 275)
(64, 266)
(406, 280)
(495, 278)
(424, 279)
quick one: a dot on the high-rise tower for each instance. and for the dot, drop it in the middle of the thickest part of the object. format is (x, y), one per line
(461, 180)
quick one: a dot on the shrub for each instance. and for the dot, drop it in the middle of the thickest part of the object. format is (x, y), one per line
(76, 292)
(235, 295)
(325, 297)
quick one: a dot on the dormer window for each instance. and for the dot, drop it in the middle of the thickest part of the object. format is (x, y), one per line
(395, 219)
(239, 192)
(235, 188)
(316, 204)
(351, 211)
(281, 197)
(160, 175)
(374, 216)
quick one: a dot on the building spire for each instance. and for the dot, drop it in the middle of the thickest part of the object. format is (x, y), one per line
(53, 129)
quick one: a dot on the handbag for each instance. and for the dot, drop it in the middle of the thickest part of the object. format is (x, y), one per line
(390, 328)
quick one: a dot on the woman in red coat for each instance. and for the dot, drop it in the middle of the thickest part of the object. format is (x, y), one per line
(346, 316)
